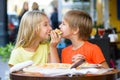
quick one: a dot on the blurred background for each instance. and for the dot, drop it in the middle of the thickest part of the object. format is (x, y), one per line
(105, 13)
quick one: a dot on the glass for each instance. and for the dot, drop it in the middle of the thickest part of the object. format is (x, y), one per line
(101, 32)
(93, 33)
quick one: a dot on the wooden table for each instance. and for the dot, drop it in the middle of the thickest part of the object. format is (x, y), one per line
(27, 76)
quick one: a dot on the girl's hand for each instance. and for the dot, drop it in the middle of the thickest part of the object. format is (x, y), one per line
(55, 38)
(77, 58)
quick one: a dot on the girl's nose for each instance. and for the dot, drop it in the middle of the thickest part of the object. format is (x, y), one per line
(50, 27)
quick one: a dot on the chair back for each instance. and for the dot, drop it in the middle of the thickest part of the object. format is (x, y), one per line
(104, 44)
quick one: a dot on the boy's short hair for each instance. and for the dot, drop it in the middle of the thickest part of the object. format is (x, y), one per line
(79, 19)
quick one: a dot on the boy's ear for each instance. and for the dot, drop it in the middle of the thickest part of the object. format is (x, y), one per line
(76, 30)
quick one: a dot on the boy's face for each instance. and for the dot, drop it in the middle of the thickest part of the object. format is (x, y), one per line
(45, 29)
(65, 28)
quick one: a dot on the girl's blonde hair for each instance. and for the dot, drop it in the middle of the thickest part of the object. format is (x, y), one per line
(79, 19)
(28, 25)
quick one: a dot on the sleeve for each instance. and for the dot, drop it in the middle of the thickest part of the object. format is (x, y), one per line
(14, 58)
(98, 56)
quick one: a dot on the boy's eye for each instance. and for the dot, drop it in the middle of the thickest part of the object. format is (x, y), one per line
(63, 23)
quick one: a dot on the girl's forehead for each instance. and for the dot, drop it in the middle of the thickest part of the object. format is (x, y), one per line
(45, 20)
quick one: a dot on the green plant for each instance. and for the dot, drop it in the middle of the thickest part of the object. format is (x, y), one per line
(6, 51)
(98, 26)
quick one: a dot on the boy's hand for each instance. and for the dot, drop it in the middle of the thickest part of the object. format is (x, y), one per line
(77, 58)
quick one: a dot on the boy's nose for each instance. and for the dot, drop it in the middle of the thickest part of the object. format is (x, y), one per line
(60, 26)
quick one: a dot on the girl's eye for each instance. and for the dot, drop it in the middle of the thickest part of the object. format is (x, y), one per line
(45, 24)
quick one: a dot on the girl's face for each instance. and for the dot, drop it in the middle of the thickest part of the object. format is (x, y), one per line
(67, 31)
(45, 29)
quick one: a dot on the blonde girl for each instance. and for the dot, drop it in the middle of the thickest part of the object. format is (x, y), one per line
(32, 40)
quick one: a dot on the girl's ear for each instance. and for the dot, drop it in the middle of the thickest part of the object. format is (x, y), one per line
(37, 29)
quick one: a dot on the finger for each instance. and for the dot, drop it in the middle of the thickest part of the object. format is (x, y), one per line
(76, 58)
(52, 34)
(80, 55)
(59, 36)
(54, 38)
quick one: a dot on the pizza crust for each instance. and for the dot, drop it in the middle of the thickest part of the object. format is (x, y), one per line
(37, 68)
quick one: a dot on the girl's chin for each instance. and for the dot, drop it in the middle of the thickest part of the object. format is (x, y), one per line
(48, 37)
